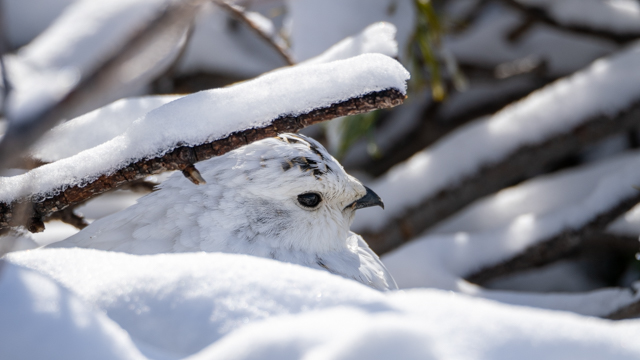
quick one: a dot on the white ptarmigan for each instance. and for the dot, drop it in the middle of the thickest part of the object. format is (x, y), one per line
(284, 198)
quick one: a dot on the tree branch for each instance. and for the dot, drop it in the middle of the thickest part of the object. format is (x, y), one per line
(521, 164)
(556, 246)
(540, 14)
(239, 13)
(114, 73)
(183, 157)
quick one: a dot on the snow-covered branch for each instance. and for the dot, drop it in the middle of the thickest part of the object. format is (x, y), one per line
(261, 26)
(99, 79)
(208, 124)
(557, 245)
(516, 143)
(597, 18)
(522, 163)
(436, 120)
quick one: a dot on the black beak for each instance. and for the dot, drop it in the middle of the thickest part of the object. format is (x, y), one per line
(370, 199)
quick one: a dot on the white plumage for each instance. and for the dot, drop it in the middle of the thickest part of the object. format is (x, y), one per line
(284, 198)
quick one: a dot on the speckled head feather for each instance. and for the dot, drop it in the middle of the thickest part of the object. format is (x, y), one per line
(284, 198)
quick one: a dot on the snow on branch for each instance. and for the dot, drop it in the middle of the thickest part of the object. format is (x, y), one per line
(262, 26)
(207, 124)
(68, 86)
(617, 21)
(557, 245)
(516, 143)
(436, 120)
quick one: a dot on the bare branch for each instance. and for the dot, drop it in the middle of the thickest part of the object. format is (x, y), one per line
(521, 164)
(183, 157)
(116, 72)
(272, 40)
(540, 14)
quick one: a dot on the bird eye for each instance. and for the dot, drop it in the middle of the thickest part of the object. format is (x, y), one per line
(309, 200)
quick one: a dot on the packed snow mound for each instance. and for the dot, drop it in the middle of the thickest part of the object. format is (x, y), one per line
(431, 324)
(210, 306)
(180, 303)
(39, 319)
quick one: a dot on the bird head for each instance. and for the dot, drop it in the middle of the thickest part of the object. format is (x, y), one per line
(284, 192)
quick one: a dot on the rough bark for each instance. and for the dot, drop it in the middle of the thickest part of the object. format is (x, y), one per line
(184, 157)
(521, 164)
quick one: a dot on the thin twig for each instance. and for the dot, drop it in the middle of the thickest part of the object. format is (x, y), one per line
(434, 124)
(541, 15)
(182, 157)
(6, 85)
(239, 13)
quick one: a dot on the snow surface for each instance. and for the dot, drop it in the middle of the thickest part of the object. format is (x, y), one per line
(39, 319)
(431, 324)
(95, 128)
(213, 114)
(211, 306)
(605, 88)
(542, 195)
(181, 303)
(617, 16)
